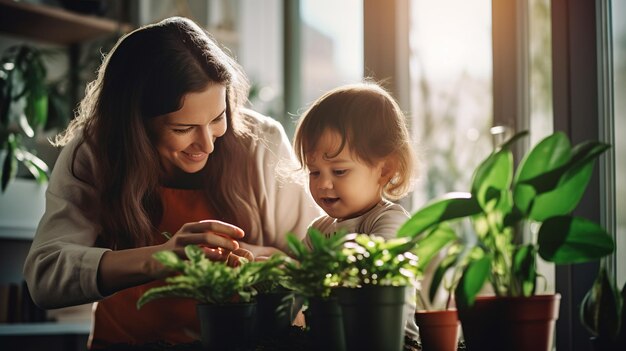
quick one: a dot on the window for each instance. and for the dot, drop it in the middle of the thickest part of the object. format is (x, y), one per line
(619, 109)
(451, 97)
(332, 45)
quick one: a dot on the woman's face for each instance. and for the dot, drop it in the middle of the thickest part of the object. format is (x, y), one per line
(185, 138)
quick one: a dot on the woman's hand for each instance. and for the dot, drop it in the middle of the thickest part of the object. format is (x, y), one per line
(217, 239)
(258, 250)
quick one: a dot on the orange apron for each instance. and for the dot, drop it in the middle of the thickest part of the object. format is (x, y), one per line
(171, 320)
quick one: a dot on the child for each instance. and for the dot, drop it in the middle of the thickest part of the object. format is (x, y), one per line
(355, 144)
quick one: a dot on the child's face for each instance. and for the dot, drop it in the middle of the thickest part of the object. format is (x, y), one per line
(343, 186)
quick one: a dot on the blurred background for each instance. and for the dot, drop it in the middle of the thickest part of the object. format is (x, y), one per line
(456, 67)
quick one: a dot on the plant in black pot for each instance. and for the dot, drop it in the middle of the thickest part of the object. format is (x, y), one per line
(225, 294)
(603, 313)
(277, 307)
(311, 275)
(375, 277)
(541, 193)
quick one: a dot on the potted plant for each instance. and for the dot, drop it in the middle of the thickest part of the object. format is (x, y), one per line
(374, 280)
(276, 307)
(310, 275)
(437, 320)
(543, 191)
(225, 294)
(603, 313)
(23, 111)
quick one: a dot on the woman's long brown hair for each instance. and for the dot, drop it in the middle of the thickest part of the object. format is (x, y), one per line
(146, 75)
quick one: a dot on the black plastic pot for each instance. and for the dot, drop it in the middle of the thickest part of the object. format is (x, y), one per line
(227, 327)
(324, 319)
(599, 344)
(373, 317)
(274, 313)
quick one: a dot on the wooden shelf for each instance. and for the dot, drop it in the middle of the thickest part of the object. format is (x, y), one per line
(50, 328)
(53, 25)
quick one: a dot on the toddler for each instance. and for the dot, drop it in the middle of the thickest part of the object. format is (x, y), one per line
(356, 147)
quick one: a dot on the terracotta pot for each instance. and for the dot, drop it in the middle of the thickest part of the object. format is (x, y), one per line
(510, 323)
(439, 330)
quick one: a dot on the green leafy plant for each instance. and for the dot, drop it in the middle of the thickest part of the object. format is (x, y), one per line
(23, 110)
(372, 260)
(311, 272)
(542, 192)
(603, 311)
(211, 282)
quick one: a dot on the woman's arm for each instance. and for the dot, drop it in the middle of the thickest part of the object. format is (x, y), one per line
(125, 268)
(288, 208)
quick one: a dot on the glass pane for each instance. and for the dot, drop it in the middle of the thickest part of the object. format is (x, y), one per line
(451, 99)
(259, 50)
(540, 62)
(619, 85)
(540, 96)
(332, 45)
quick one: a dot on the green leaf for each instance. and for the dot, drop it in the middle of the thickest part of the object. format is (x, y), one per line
(295, 245)
(514, 138)
(35, 165)
(558, 190)
(565, 196)
(447, 263)
(167, 291)
(549, 154)
(9, 168)
(472, 281)
(525, 270)
(431, 244)
(317, 239)
(452, 206)
(169, 259)
(493, 178)
(567, 240)
(599, 310)
(194, 253)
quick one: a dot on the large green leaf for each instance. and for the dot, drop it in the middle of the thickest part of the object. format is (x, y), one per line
(492, 179)
(565, 196)
(567, 240)
(448, 262)
(524, 270)
(563, 186)
(550, 153)
(600, 308)
(452, 206)
(431, 244)
(9, 167)
(473, 279)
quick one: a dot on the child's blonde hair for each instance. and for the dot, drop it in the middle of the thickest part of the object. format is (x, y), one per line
(372, 124)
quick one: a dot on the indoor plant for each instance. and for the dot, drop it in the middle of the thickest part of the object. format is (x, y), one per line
(603, 313)
(224, 293)
(374, 280)
(310, 275)
(23, 110)
(544, 189)
(437, 318)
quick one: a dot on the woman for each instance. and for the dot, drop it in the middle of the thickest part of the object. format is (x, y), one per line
(161, 143)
